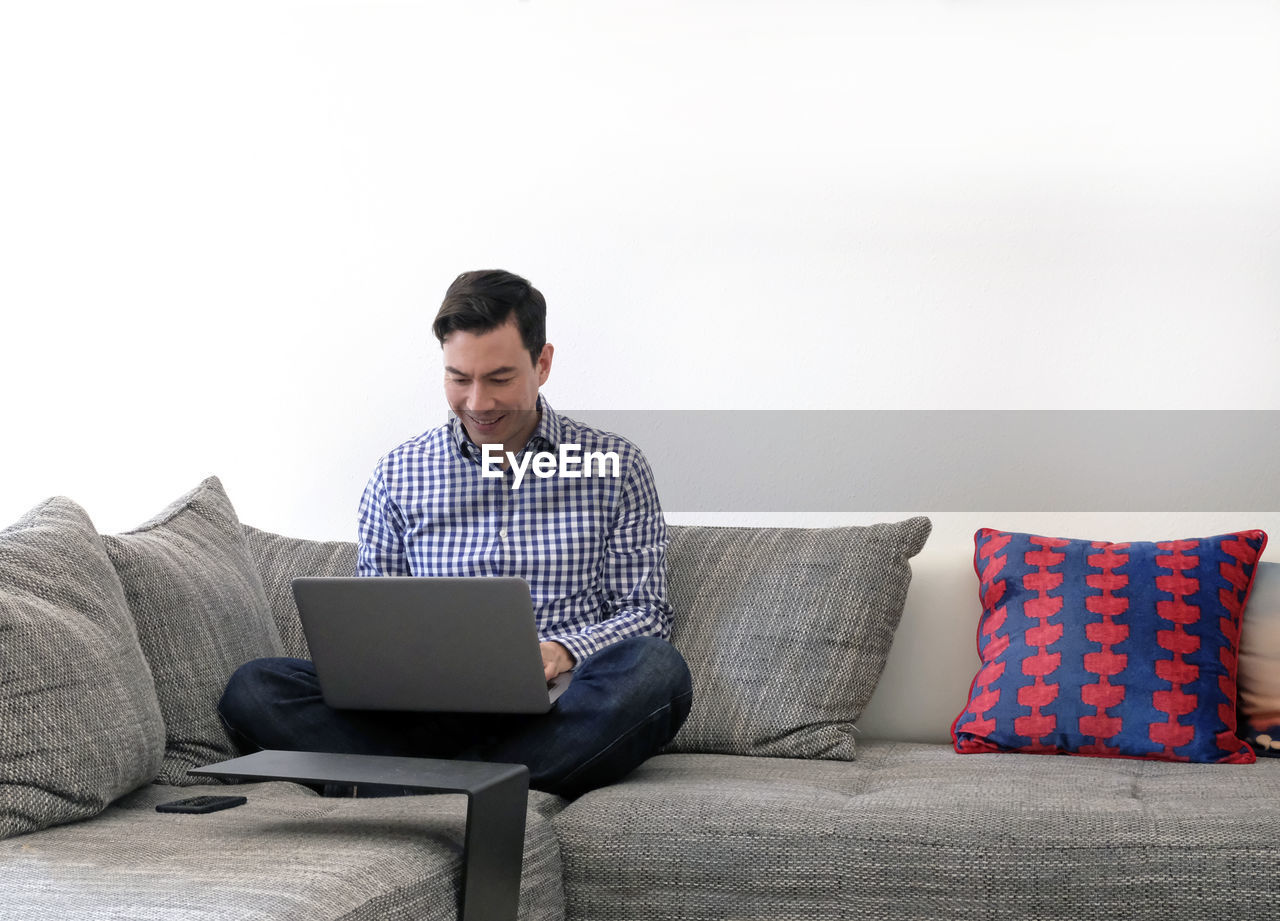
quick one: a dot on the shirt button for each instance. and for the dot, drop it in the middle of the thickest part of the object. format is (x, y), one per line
(503, 533)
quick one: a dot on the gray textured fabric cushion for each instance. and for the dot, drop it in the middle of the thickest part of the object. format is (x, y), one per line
(786, 631)
(286, 855)
(282, 559)
(201, 613)
(914, 831)
(79, 721)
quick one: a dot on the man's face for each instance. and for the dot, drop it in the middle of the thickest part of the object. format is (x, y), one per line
(492, 385)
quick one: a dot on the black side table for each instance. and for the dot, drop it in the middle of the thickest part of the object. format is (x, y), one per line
(497, 797)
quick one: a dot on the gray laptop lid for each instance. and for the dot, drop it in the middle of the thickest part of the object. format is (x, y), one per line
(462, 645)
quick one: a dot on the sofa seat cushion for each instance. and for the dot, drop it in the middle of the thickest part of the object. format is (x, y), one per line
(918, 831)
(705, 836)
(286, 855)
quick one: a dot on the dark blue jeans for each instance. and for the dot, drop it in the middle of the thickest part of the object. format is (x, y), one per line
(624, 703)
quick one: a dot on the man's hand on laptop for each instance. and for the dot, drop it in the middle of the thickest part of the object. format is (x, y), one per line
(555, 659)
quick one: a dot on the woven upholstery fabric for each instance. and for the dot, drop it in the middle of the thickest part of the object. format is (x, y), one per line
(916, 831)
(1260, 663)
(1109, 649)
(786, 631)
(282, 559)
(79, 721)
(201, 613)
(286, 855)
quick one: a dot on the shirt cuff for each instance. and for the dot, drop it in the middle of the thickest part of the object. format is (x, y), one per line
(579, 646)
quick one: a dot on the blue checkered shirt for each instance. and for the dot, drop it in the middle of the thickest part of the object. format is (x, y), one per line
(592, 549)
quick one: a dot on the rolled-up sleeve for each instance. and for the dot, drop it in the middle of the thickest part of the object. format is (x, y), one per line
(380, 532)
(633, 574)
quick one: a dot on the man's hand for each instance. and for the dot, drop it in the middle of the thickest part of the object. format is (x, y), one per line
(555, 659)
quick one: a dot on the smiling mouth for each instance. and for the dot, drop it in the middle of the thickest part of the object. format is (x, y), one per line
(486, 423)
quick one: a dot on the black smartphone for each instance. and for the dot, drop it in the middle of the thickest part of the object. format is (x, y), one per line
(199, 805)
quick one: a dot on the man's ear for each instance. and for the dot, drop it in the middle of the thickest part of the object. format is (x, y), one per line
(543, 365)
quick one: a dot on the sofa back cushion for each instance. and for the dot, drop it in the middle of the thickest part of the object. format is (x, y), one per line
(201, 613)
(786, 631)
(79, 722)
(282, 559)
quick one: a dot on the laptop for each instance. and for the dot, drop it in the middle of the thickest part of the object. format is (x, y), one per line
(453, 645)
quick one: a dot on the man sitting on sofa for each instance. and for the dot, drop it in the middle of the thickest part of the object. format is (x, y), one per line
(591, 548)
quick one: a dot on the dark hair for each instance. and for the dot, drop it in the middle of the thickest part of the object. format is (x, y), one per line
(486, 299)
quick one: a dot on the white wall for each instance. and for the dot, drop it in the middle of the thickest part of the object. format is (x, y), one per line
(225, 227)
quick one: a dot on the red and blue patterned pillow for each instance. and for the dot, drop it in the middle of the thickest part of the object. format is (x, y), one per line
(1109, 649)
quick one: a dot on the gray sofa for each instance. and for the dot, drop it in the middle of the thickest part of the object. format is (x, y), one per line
(768, 805)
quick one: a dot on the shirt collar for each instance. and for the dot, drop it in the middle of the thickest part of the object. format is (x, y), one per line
(546, 437)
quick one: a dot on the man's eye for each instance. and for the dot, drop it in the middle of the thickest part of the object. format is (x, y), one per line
(500, 380)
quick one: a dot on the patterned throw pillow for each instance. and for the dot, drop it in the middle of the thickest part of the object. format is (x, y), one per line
(201, 613)
(1260, 663)
(786, 631)
(1109, 649)
(79, 721)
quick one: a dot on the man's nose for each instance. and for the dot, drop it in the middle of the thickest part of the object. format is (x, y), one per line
(482, 398)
